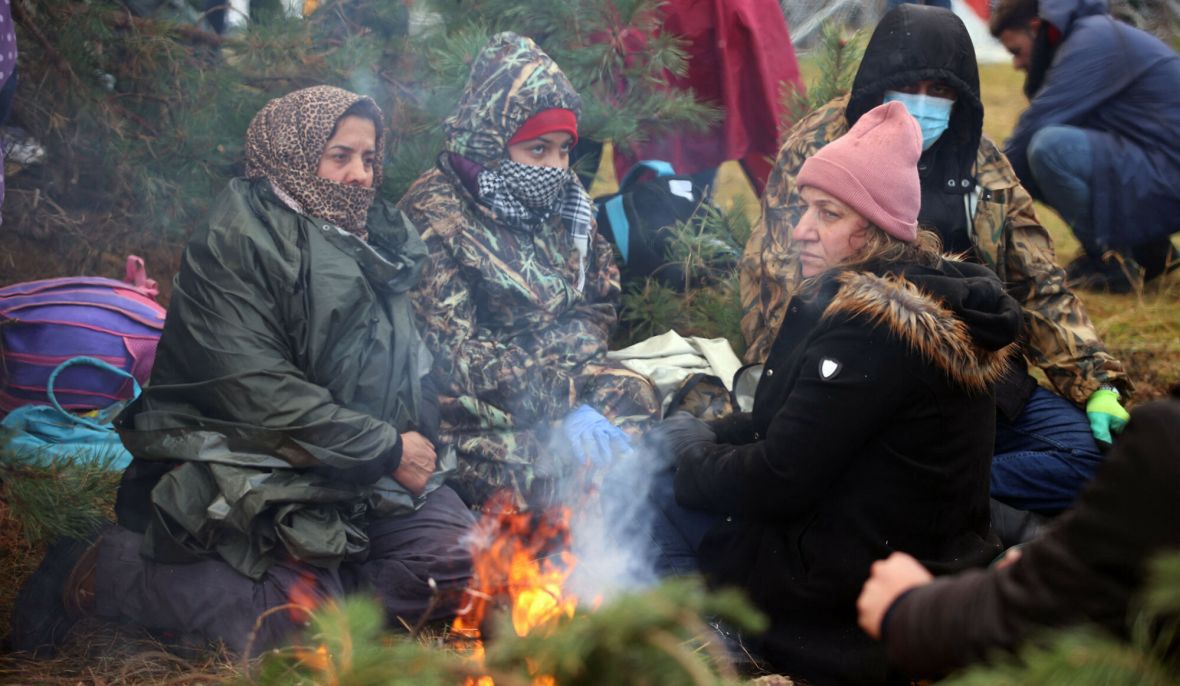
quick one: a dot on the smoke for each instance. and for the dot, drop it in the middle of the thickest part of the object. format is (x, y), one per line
(611, 525)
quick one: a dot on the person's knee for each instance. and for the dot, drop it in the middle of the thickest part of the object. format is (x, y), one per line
(1059, 153)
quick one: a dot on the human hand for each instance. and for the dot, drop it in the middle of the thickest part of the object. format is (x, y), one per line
(888, 579)
(592, 437)
(680, 434)
(1009, 557)
(1106, 415)
(418, 462)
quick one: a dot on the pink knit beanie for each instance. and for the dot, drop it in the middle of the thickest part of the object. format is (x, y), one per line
(874, 169)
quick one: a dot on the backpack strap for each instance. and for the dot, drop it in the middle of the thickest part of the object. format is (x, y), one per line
(660, 167)
(617, 214)
(619, 226)
(81, 359)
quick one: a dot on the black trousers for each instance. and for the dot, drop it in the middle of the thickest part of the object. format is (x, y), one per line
(209, 600)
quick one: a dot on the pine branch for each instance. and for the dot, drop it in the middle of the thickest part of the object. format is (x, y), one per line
(67, 499)
(837, 60)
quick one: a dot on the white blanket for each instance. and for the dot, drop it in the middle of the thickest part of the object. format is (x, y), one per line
(669, 359)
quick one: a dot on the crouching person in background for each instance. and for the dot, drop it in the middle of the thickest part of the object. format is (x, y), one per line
(520, 292)
(872, 424)
(285, 438)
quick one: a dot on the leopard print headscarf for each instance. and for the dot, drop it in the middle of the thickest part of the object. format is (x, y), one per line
(284, 145)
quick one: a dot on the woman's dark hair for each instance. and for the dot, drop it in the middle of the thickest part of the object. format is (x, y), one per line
(365, 109)
(1012, 14)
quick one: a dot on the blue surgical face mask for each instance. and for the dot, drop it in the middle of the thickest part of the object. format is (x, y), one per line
(933, 114)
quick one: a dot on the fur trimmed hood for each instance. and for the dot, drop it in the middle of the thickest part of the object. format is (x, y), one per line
(957, 317)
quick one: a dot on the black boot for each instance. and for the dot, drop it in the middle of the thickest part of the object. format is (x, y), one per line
(57, 595)
(1113, 272)
(1157, 257)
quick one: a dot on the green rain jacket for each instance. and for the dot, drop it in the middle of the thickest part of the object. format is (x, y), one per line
(288, 366)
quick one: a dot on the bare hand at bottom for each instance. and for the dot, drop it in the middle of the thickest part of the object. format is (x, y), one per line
(888, 579)
(418, 462)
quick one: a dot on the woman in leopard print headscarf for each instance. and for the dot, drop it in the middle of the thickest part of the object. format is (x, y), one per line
(292, 143)
(287, 390)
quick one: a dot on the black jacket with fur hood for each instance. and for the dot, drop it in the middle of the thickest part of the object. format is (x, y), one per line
(872, 431)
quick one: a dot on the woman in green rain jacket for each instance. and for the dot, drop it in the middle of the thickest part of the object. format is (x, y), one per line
(284, 439)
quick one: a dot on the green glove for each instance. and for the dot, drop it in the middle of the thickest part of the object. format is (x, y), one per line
(1106, 414)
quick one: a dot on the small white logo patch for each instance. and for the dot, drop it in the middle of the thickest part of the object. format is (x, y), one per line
(829, 367)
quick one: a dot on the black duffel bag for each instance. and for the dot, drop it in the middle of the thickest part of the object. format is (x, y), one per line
(638, 220)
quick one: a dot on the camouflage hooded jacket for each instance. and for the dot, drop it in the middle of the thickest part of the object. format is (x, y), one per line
(1058, 336)
(498, 303)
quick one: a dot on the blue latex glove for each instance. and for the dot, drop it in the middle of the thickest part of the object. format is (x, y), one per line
(1106, 415)
(592, 437)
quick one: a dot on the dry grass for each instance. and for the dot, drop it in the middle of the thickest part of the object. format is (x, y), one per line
(102, 654)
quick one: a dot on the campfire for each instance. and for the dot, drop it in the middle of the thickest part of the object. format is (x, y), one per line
(522, 561)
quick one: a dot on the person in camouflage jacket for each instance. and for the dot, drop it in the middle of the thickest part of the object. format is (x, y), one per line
(516, 303)
(972, 197)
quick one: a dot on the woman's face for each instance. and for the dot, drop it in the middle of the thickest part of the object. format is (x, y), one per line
(350, 153)
(828, 233)
(548, 150)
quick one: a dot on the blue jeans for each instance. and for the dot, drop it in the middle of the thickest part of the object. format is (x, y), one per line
(677, 531)
(1044, 458)
(1063, 168)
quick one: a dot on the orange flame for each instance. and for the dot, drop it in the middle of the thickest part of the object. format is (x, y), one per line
(523, 560)
(302, 600)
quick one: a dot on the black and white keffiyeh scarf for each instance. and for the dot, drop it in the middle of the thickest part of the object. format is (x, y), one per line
(527, 195)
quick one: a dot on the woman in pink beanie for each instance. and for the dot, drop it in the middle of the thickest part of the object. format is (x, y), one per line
(872, 424)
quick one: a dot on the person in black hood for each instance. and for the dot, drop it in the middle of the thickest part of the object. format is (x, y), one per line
(872, 423)
(1046, 446)
(919, 57)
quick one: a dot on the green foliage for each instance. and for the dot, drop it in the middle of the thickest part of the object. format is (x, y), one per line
(1075, 658)
(621, 78)
(345, 646)
(716, 311)
(704, 249)
(144, 119)
(66, 499)
(702, 246)
(652, 638)
(837, 60)
(648, 310)
(1084, 656)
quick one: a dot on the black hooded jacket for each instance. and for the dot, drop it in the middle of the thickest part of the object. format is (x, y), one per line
(872, 431)
(913, 43)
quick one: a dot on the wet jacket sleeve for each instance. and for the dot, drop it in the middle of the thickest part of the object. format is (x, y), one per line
(1084, 570)
(1059, 336)
(234, 321)
(476, 368)
(735, 429)
(582, 333)
(811, 440)
(603, 289)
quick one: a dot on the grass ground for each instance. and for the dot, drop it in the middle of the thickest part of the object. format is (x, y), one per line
(1142, 329)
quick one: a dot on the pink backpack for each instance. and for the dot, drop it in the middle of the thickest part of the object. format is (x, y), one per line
(44, 323)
